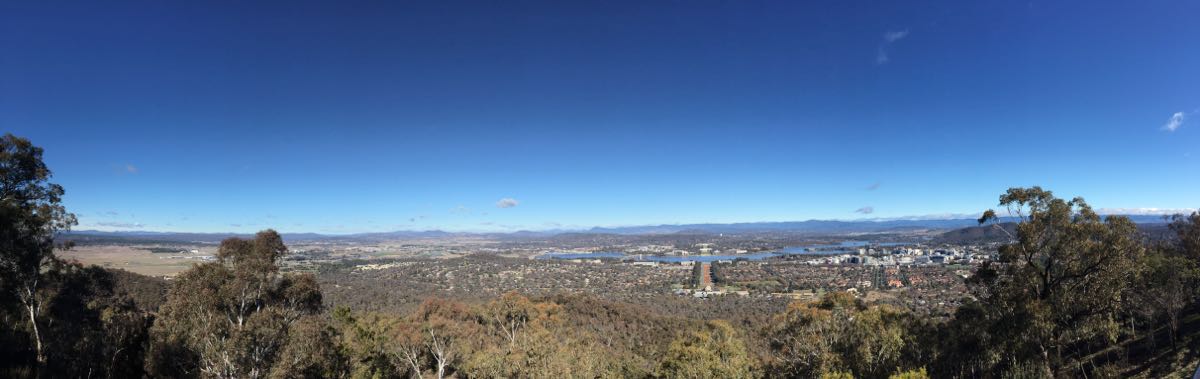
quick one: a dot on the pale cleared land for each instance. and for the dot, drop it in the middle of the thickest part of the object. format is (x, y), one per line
(135, 259)
(139, 258)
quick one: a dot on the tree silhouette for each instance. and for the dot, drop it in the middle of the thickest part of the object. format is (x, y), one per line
(31, 214)
(236, 316)
(1062, 282)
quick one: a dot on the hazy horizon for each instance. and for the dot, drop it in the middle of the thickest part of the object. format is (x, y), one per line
(1139, 216)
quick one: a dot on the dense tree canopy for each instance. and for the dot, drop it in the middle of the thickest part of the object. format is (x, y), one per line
(841, 334)
(714, 351)
(30, 214)
(61, 319)
(239, 318)
(1063, 282)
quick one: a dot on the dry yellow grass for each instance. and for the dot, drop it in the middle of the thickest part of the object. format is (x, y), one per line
(133, 259)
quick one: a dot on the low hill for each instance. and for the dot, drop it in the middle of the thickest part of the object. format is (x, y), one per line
(979, 234)
(1153, 229)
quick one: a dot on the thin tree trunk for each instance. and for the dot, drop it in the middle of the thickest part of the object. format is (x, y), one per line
(37, 335)
(413, 362)
(1049, 372)
(416, 370)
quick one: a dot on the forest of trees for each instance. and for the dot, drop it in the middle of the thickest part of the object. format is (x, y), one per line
(1075, 294)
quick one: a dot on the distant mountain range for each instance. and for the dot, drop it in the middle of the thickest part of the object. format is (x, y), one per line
(85, 236)
(810, 226)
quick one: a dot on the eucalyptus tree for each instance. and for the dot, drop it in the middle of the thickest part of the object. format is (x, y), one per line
(235, 317)
(1060, 284)
(841, 334)
(714, 351)
(449, 329)
(1187, 231)
(1171, 281)
(31, 214)
(530, 339)
(370, 342)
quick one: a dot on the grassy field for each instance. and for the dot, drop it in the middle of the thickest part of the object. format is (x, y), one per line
(134, 259)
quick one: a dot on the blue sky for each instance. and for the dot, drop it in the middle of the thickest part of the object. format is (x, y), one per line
(339, 117)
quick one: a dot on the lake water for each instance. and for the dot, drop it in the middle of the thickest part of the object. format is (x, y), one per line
(846, 247)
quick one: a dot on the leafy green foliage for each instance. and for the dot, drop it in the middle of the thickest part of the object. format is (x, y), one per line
(61, 319)
(1062, 283)
(911, 374)
(31, 214)
(235, 317)
(839, 333)
(712, 352)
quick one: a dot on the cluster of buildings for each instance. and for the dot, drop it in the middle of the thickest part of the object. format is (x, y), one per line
(905, 256)
(703, 249)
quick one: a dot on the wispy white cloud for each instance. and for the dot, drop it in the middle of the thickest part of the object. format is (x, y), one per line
(1145, 211)
(881, 56)
(1175, 122)
(461, 209)
(865, 210)
(120, 225)
(507, 202)
(874, 186)
(890, 37)
(131, 169)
